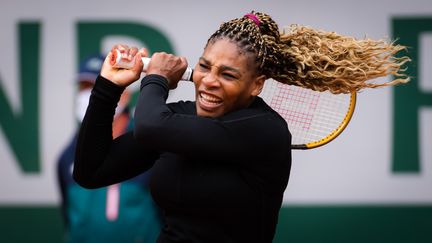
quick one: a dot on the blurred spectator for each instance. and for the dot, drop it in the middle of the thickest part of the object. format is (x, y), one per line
(122, 212)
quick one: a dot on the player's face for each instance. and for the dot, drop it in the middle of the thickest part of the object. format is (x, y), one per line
(225, 79)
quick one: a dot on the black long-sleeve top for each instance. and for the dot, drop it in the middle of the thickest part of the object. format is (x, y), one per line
(215, 179)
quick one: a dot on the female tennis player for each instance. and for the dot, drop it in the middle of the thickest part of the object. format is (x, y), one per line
(221, 163)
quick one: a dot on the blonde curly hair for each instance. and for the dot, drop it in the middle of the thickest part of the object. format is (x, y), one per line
(314, 59)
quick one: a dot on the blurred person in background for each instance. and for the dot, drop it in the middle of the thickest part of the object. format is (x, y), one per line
(122, 212)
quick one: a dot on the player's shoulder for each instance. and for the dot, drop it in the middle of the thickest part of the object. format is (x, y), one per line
(258, 113)
(183, 107)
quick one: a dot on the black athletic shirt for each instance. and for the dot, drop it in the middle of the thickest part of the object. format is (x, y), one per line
(216, 179)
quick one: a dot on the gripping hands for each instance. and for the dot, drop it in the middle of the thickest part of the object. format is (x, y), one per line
(124, 65)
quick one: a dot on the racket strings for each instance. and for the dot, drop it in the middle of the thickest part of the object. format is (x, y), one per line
(311, 115)
(284, 100)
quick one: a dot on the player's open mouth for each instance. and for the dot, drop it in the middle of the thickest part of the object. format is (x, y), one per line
(208, 101)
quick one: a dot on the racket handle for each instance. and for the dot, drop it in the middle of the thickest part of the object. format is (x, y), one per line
(118, 63)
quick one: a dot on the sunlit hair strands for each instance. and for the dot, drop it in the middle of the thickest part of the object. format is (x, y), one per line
(314, 59)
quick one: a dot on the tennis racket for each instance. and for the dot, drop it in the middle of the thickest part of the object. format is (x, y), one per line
(314, 118)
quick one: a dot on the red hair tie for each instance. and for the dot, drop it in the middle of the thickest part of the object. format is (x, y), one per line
(254, 18)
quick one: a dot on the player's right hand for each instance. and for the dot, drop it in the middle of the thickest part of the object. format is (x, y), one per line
(121, 76)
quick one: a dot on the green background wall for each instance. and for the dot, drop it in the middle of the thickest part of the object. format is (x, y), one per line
(298, 224)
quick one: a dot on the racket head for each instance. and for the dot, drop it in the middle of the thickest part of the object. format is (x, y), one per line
(314, 118)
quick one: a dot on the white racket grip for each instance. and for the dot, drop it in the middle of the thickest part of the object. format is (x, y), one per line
(187, 75)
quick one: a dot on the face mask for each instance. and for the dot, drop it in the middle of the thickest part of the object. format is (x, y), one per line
(82, 101)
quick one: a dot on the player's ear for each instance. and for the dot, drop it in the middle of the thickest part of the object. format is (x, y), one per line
(258, 84)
